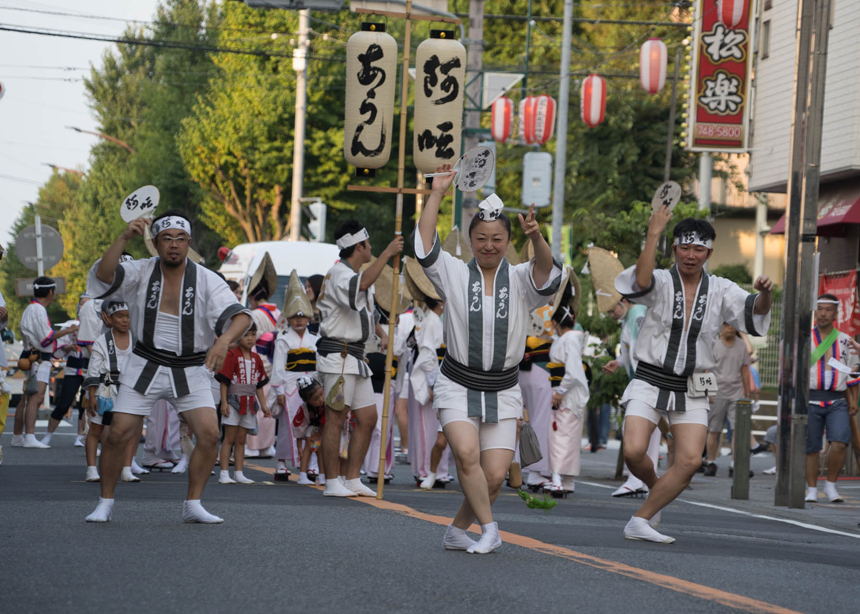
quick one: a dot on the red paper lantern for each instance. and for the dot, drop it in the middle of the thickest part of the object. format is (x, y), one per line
(224, 253)
(543, 118)
(526, 124)
(653, 59)
(503, 119)
(593, 100)
(732, 12)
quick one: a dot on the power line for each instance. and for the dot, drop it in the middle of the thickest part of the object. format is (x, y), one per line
(19, 179)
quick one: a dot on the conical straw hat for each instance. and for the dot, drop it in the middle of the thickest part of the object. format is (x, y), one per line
(417, 282)
(568, 278)
(604, 269)
(296, 301)
(383, 287)
(511, 254)
(457, 239)
(149, 242)
(527, 252)
(265, 270)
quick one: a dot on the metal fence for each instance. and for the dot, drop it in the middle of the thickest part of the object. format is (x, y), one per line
(767, 347)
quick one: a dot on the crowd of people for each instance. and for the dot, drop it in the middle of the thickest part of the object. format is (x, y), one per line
(483, 343)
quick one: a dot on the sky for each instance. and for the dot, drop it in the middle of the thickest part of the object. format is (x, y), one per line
(38, 103)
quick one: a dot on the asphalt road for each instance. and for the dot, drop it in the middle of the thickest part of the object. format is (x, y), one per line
(285, 548)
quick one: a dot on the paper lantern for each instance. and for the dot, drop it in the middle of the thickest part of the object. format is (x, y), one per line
(543, 119)
(2, 89)
(440, 81)
(732, 12)
(503, 119)
(371, 76)
(653, 58)
(526, 119)
(593, 100)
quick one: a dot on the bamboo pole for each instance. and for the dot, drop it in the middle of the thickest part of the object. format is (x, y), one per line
(398, 221)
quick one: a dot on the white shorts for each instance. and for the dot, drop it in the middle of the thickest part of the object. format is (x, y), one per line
(43, 373)
(98, 419)
(247, 421)
(643, 410)
(357, 391)
(130, 401)
(499, 436)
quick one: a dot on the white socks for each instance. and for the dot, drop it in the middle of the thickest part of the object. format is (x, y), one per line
(93, 474)
(79, 441)
(30, 441)
(225, 478)
(47, 439)
(182, 465)
(137, 469)
(240, 478)
(356, 486)
(335, 488)
(303, 479)
(193, 511)
(102, 512)
(641, 529)
(128, 476)
(831, 492)
(811, 494)
(490, 540)
(17, 441)
(428, 482)
(456, 539)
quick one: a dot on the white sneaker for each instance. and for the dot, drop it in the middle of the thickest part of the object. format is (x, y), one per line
(490, 540)
(30, 441)
(334, 488)
(93, 474)
(356, 486)
(831, 493)
(428, 482)
(771, 471)
(17, 441)
(79, 441)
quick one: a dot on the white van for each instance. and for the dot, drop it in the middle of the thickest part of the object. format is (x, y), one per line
(306, 258)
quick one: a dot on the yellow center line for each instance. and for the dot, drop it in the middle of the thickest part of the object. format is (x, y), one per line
(707, 593)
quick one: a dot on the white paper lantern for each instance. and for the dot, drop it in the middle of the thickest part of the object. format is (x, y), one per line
(653, 59)
(732, 12)
(440, 83)
(371, 76)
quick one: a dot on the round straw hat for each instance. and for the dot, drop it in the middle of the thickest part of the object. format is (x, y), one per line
(455, 240)
(384, 285)
(417, 282)
(568, 278)
(604, 269)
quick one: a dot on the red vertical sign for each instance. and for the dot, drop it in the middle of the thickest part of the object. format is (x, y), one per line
(844, 287)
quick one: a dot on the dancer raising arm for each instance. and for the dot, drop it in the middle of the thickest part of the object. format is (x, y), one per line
(488, 303)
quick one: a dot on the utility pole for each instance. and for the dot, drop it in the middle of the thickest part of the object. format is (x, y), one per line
(561, 132)
(475, 80)
(813, 22)
(300, 65)
(761, 229)
(705, 174)
(670, 138)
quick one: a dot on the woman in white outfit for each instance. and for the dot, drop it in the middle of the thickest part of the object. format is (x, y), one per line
(487, 309)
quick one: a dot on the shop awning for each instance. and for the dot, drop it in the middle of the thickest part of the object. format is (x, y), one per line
(835, 206)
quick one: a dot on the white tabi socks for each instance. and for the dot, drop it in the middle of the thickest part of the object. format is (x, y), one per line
(456, 539)
(79, 441)
(831, 492)
(47, 438)
(193, 511)
(240, 478)
(30, 441)
(490, 540)
(225, 478)
(811, 494)
(93, 474)
(428, 482)
(641, 529)
(17, 441)
(137, 469)
(356, 486)
(303, 479)
(102, 512)
(128, 476)
(182, 465)
(335, 488)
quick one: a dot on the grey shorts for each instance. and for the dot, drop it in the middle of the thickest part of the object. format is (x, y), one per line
(833, 420)
(720, 410)
(770, 435)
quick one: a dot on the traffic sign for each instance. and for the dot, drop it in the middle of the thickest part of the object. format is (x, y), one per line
(537, 179)
(27, 251)
(24, 286)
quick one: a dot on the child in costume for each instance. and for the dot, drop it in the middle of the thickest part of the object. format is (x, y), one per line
(308, 423)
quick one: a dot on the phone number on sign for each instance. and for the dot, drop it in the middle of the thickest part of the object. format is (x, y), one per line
(720, 131)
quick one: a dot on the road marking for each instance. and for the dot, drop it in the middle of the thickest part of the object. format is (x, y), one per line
(723, 508)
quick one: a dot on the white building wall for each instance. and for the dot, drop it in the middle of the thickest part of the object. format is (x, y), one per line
(775, 89)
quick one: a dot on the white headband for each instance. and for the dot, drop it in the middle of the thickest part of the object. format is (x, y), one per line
(828, 301)
(353, 239)
(692, 238)
(126, 258)
(53, 284)
(171, 221)
(305, 381)
(114, 307)
(490, 208)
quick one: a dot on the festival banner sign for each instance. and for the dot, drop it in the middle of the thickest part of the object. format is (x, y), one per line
(720, 80)
(844, 287)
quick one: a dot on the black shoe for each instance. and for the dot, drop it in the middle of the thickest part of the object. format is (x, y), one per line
(732, 472)
(762, 447)
(711, 470)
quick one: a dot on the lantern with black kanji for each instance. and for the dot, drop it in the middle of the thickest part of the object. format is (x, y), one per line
(503, 119)
(653, 59)
(593, 100)
(371, 75)
(440, 81)
(543, 119)
(732, 12)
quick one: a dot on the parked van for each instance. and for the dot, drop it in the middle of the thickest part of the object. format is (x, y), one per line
(306, 258)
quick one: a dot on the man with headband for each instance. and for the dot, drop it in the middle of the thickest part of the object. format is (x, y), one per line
(177, 309)
(346, 307)
(833, 397)
(40, 342)
(674, 352)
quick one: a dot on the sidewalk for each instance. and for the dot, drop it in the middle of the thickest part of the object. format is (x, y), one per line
(716, 491)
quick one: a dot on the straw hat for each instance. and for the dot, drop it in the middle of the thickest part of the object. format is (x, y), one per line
(527, 252)
(604, 269)
(265, 271)
(296, 301)
(511, 255)
(568, 279)
(417, 283)
(149, 242)
(383, 287)
(457, 240)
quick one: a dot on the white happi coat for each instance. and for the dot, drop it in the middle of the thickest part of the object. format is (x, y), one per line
(347, 316)
(284, 381)
(630, 326)
(37, 331)
(101, 359)
(513, 299)
(92, 326)
(425, 369)
(666, 342)
(567, 350)
(206, 309)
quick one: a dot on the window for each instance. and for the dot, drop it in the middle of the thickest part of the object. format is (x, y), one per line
(765, 40)
(768, 4)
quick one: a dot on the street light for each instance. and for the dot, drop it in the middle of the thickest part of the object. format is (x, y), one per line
(104, 136)
(63, 168)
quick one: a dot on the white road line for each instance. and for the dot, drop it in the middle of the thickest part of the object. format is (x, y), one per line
(796, 523)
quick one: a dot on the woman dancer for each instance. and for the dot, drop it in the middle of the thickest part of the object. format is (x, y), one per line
(487, 304)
